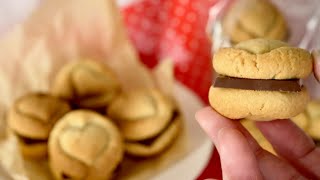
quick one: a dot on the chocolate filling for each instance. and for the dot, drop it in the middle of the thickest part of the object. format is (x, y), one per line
(31, 141)
(65, 176)
(149, 141)
(287, 85)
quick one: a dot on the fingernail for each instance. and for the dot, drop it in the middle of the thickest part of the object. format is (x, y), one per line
(316, 64)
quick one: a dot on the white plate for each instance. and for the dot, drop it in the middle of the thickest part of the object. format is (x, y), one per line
(191, 166)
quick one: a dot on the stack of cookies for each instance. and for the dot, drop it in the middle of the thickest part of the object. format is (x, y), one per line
(259, 80)
(86, 123)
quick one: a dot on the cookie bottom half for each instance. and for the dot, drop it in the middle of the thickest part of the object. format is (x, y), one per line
(257, 105)
(159, 144)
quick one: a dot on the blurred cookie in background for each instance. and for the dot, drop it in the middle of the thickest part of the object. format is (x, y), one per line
(313, 113)
(31, 119)
(255, 132)
(311, 117)
(302, 121)
(86, 84)
(148, 120)
(250, 19)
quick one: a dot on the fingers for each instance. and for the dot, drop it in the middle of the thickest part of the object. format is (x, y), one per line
(294, 145)
(237, 159)
(274, 168)
(234, 150)
(316, 64)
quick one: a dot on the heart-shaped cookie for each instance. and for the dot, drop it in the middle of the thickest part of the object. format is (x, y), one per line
(84, 143)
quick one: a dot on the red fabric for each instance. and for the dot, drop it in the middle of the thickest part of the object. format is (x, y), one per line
(213, 168)
(176, 29)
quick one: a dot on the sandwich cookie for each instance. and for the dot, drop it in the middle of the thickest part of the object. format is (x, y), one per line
(147, 119)
(251, 19)
(31, 118)
(86, 84)
(85, 145)
(259, 79)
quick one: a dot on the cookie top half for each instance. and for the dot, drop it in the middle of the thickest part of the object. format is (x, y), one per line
(34, 114)
(263, 59)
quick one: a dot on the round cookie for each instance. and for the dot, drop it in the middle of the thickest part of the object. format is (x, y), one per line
(250, 19)
(261, 64)
(148, 120)
(87, 84)
(84, 145)
(31, 119)
(141, 114)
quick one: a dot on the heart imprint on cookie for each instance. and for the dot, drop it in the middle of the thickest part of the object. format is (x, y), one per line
(84, 143)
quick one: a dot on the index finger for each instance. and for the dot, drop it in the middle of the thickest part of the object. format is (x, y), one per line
(294, 145)
(233, 147)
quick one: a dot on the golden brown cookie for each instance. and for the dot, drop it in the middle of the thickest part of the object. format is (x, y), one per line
(85, 145)
(32, 117)
(257, 105)
(141, 114)
(313, 114)
(250, 19)
(87, 84)
(148, 120)
(259, 80)
(263, 59)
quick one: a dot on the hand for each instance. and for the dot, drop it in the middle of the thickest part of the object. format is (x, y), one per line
(243, 158)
